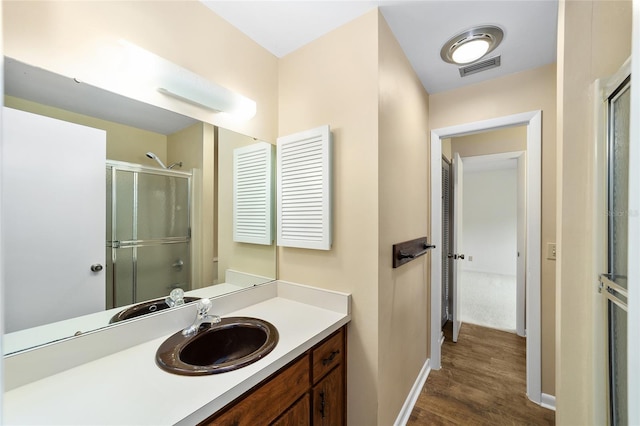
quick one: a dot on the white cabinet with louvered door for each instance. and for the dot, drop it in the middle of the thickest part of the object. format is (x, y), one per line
(253, 194)
(304, 189)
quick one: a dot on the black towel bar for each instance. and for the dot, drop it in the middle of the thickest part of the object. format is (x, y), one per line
(409, 250)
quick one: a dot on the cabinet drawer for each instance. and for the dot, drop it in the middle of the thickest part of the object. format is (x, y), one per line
(327, 355)
(267, 402)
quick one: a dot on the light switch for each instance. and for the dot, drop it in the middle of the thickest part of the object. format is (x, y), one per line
(551, 251)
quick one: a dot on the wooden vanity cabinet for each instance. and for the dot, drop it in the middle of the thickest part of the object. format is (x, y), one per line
(309, 391)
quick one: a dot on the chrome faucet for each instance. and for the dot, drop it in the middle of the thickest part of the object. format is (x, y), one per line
(202, 318)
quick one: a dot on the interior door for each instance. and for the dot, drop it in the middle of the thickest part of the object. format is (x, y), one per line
(614, 280)
(521, 271)
(53, 216)
(447, 234)
(457, 241)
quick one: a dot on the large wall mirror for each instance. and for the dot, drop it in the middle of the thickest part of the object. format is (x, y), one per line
(157, 195)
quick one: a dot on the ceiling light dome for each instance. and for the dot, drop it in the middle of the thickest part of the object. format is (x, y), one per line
(471, 45)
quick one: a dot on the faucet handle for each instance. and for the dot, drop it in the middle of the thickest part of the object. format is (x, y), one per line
(176, 298)
(202, 317)
(203, 307)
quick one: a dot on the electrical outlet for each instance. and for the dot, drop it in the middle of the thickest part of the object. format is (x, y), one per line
(551, 251)
(470, 258)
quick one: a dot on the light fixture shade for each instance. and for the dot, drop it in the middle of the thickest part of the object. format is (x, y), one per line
(470, 51)
(179, 83)
(471, 45)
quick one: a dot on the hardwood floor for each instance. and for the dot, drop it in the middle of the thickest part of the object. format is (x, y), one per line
(482, 382)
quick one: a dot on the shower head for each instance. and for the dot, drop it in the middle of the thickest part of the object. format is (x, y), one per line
(155, 157)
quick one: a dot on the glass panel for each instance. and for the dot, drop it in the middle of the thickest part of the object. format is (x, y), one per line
(619, 186)
(618, 364)
(109, 279)
(162, 268)
(163, 206)
(123, 271)
(124, 205)
(618, 209)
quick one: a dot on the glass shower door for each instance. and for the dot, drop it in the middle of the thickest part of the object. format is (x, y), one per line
(149, 239)
(614, 282)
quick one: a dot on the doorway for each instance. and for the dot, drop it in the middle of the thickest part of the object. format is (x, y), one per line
(533, 122)
(491, 280)
(485, 272)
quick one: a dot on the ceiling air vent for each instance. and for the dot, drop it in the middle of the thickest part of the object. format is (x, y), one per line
(479, 66)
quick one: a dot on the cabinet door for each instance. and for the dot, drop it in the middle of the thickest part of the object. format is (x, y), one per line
(298, 415)
(264, 404)
(328, 400)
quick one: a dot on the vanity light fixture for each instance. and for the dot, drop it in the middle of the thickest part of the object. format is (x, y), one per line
(471, 45)
(179, 83)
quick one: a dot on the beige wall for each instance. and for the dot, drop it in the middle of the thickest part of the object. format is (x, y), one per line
(594, 39)
(254, 259)
(516, 93)
(193, 147)
(333, 80)
(403, 190)
(69, 38)
(446, 148)
(358, 80)
(124, 143)
(510, 139)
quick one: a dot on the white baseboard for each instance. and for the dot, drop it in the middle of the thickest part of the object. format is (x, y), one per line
(548, 401)
(407, 407)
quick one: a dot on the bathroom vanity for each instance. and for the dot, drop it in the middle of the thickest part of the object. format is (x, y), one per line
(310, 390)
(302, 381)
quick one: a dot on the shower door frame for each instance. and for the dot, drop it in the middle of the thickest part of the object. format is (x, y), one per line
(604, 89)
(114, 166)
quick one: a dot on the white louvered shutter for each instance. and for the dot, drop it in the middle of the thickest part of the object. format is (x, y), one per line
(252, 194)
(304, 189)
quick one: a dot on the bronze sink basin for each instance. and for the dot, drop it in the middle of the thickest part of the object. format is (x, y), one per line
(145, 308)
(232, 343)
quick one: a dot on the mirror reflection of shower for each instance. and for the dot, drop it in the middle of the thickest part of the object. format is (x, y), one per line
(148, 232)
(155, 157)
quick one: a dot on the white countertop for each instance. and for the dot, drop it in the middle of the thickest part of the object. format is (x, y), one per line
(127, 388)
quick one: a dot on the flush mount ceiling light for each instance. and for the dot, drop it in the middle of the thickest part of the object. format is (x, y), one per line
(471, 45)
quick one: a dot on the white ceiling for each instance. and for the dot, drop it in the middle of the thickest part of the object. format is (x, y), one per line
(421, 27)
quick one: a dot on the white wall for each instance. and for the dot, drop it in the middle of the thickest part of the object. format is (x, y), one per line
(490, 221)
